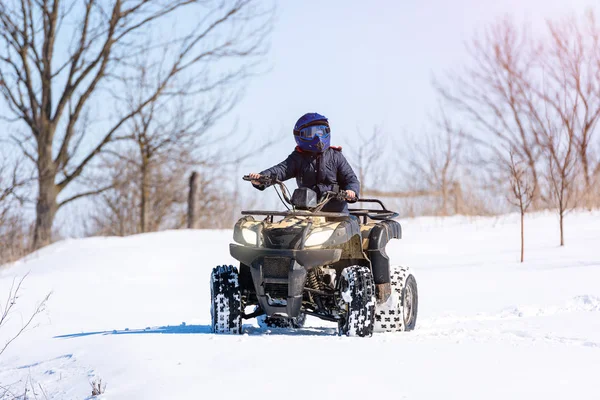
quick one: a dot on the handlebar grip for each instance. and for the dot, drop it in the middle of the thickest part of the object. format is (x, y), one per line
(341, 195)
(345, 197)
(267, 180)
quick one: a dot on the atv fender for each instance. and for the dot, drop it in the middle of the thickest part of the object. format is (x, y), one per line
(379, 237)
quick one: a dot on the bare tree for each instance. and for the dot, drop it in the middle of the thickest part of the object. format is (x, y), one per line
(434, 163)
(115, 211)
(537, 99)
(11, 331)
(491, 93)
(118, 210)
(13, 229)
(10, 182)
(552, 116)
(424, 172)
(522, 192)
(51, 91)
(369, 158)
(571, 66)
(563, 105)
(171, 131)
(148, 180)
(561, 157)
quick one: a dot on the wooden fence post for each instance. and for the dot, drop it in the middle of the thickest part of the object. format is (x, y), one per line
(192, 197)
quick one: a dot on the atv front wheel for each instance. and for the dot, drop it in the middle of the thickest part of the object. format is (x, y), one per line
(399, 313)
(226, 300)
(358, 299)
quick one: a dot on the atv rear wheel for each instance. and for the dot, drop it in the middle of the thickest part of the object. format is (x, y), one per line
(226, 300)
(358, 299)
(399, 313)
(282, 322)
(410, 303)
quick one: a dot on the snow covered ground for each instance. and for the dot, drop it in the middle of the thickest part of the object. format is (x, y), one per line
(135, 312)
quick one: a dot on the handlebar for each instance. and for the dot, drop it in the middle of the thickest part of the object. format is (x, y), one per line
(265, 180)
(341, 195)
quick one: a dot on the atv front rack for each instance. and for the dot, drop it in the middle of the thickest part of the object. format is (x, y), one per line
(296, 213)
(378, 215)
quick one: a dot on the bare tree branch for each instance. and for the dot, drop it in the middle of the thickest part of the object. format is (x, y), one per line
(11, 301)
(84, 194)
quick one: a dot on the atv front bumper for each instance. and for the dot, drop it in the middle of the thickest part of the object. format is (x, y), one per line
(279, 275)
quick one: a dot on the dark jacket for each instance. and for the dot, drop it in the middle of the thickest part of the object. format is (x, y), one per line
(320, 172)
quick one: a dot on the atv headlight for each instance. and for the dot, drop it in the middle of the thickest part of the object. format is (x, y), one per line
(249, 236)
(318, 238)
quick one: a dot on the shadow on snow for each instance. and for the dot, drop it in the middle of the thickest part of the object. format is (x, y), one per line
(206, 330)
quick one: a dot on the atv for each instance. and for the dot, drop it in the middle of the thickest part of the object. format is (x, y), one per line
(304, 261)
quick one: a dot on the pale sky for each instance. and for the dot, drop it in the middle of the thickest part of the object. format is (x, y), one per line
(362, 63)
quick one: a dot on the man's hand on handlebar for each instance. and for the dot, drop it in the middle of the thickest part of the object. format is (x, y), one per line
(344, 195)
(258, 179)
(350, 195)
(254, 176)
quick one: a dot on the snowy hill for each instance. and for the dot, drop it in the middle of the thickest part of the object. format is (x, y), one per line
(135, 312)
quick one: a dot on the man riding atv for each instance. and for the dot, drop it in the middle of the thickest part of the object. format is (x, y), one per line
(323, 168)
(318, 257)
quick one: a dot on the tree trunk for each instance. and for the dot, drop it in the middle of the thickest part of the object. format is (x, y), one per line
(586, 176)
(459, 202)
(445, 197)
(144, 196)
(561, 213)
(48, 190)
(46, 208)
(191, 216)
(588, 195)
(538, 199)
(522, 236)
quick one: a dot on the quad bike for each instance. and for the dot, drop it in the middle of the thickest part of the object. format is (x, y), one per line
(309, 262)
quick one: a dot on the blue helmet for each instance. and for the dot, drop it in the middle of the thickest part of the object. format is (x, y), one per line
(312, 133)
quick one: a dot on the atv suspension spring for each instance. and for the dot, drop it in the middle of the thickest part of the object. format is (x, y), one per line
(314, 281)
(315, 278)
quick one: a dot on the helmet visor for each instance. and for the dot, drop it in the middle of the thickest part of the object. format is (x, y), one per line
(310, 132)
